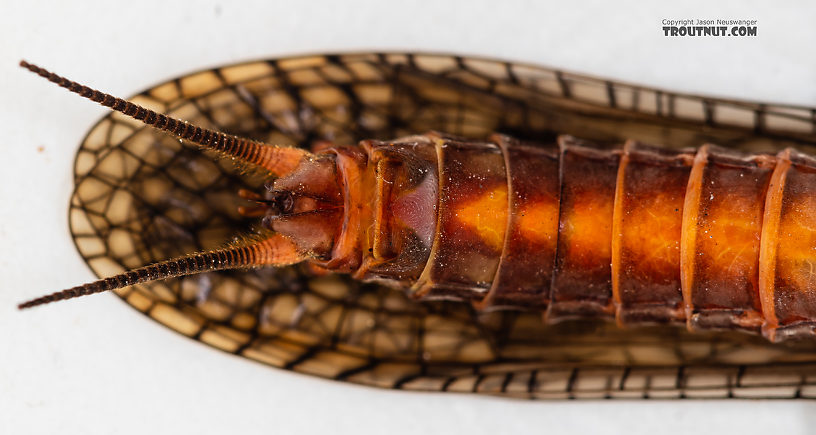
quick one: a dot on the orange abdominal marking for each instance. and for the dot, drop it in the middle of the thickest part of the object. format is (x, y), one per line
(652, 236)
(536, 220)
(796, 258)
(587, 227)
(487, 216)
(732, 244)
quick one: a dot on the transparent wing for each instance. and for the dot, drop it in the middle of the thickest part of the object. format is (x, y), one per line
(142, 196)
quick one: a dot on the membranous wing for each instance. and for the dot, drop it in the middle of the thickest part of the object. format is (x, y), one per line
(142, 196)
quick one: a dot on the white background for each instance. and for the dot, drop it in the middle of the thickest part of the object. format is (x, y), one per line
(97, 366)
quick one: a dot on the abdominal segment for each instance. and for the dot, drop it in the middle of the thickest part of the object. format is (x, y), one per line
(710, 238)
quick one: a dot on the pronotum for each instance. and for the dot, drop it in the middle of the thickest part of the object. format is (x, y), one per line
(525, 263)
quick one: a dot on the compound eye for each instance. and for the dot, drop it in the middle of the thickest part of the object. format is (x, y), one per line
(287, 203)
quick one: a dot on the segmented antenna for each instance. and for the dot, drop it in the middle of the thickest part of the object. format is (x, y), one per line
(276, 250)
(279, 160)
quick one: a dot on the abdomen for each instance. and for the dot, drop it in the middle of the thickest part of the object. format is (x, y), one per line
(708, 237)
